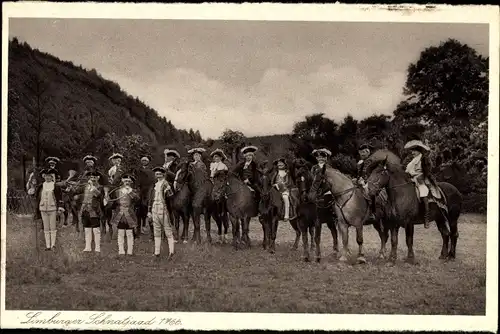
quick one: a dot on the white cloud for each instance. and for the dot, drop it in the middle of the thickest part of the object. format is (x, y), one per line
(190, 99)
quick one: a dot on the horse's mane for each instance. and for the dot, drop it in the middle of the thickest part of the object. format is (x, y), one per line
(379, 156)
(336, 171)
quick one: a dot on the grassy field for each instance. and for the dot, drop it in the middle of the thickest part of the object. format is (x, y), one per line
(215, 278)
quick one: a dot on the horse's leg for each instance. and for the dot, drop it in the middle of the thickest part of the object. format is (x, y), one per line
(317, 239)
(274, 230)
(207, 215)
(246, 230)
(196, 221)
(295, 225)
(359, 240)
(185, 227)
(224, 221)
(235, 221)
(302, 227)
(265, 231)
(344, 232)
(409, 231)
(445, 236)
(454, 239)
(394, 244)
(384, 236)
(311, 229)
(333, 230)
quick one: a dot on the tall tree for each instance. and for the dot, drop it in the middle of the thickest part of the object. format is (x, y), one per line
(232, 143)
(448, 82)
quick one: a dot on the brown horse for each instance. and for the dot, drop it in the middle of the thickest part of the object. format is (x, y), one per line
(180, 203)
(240, 204)
(406, 209)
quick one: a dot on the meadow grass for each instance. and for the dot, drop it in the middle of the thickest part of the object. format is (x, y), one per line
(216, 278)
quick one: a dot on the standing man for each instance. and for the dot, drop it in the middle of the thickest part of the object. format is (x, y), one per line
(158, 211)
(145, 177)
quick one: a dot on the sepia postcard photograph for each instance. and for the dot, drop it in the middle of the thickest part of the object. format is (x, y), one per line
(254, 166)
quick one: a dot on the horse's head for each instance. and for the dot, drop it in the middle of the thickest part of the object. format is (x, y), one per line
(318, 183)
(182, 175)
(302, 177)
(378, 177)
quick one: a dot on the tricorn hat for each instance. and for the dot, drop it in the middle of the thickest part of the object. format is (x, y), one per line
(365, 146)
(172, 152)
(52, 159)
(93, 173)
(322, 152)
(128, 177)
(89, 157)
(196, 150)
(416, 145)
(159, 169)
(218, 152)
(249, 149)
(275, 162)
(49, 171)
(146, 157)
(116, 155)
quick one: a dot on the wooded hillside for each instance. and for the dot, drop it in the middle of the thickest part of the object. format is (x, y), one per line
(57, 108)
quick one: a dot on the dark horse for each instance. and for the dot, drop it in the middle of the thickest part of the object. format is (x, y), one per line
(180, 202)
(406, 209)
(271, 210)
(312, 215)
(240, 203)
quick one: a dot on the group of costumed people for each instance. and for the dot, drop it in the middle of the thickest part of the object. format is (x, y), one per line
(146, 193)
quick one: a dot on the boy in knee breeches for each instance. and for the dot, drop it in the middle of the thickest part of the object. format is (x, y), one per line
(91, 210)
(158, 211)
(124, 216)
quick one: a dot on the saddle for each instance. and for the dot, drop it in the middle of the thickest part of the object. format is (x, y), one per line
(436, 194)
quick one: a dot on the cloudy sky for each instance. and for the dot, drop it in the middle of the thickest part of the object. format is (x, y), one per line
(256, 77)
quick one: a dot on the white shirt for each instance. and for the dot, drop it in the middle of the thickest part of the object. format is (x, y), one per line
(216, 166)
(158, 191)
(414, 168)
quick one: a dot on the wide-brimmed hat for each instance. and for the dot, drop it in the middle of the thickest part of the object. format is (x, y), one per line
(52, 159)
(128, 177)
(197, 150)
(159, 169)
(322, 152)
(115, 155)
(365, 146)
(416, 145)
(89, 157)
(172, 152)
(218, 152)
(249, 149)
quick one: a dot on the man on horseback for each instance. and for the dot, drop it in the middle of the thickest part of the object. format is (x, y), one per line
(419, 171)
(247, 170)
(114, 174)
(158, 211)
(283, 182)
(217, 165)
(365, 151)
(197, 163)
(171, 158)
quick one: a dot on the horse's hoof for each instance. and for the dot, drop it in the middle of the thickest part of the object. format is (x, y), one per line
(443, 257)
(381, 256)
(450, 258)
(411, 260)
(361, 260)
